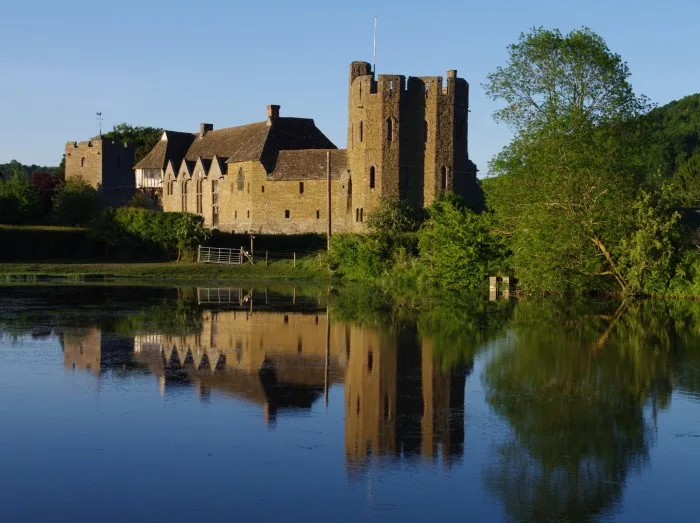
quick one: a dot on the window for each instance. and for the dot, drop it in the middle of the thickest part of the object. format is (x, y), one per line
(371, 177)
(370, 361)
(235, 215)
(215, 203)
(357, 214)
(443, 178)
(361, 130)
(361, 213)
(425, 131)
(318, 214)
(391, 87)
(262, 188)
(348, 205)
(240, 180)
(170, 188)
(286, 319)
(301, 187)
(247, 213)
(184, 196)
(200, 183)
(82, 162)
(286, 213)
(389, 129)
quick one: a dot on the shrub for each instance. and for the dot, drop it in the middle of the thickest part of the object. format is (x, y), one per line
(19, 201)
(76, 202)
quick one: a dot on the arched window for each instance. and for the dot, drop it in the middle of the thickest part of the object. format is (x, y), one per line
(82, 162)
(371, 177)
(240, 180)
(184, 196)
(389, 129)
(361, 129)
(443, 178)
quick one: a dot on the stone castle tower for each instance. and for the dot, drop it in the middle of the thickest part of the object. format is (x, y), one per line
(104, 164)
(408, 139)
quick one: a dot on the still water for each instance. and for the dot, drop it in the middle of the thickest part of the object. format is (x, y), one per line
(261, 404)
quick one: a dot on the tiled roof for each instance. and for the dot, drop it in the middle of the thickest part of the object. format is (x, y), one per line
(308, 164)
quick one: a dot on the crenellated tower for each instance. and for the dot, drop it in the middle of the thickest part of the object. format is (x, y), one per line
(407, 138)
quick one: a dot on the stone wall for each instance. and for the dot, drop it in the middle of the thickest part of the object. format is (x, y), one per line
(105, 165)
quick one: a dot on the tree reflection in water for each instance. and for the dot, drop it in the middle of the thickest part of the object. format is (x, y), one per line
(573, 382)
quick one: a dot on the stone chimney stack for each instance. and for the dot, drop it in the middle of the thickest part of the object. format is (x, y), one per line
(204, 128)
(452, 73)
(273, 111)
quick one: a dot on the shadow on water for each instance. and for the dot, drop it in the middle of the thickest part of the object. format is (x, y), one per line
(578, 384)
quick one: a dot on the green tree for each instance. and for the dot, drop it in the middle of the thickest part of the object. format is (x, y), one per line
(457, 248)
(142, 138)
(394, 216)
(189, 233)
(19, 201)
(575, 165)
(76, 202)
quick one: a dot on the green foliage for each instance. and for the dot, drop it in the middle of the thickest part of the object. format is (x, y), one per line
(575, 165)
(676, 128)
(133, 232)
(19, 201)
(457, 247)
(360, 257)
(649, 255)
(35, 243)
(394, 216)
(76, 203)
(143, 200)
(142, 138)
(7, 169)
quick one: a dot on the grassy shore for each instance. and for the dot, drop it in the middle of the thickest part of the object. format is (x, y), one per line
(305, 269)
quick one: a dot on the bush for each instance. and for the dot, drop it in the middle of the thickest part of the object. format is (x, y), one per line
(394, 216)
(19, 201)
(76, 203)
(140, 233)
(457, 246)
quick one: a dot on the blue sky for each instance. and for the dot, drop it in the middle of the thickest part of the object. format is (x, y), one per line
(175, 64)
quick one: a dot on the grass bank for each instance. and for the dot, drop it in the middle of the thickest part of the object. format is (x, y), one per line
(308, 268)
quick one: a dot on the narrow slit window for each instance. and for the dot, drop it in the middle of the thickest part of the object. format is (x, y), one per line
(318, 215)
(361, 129)
(301, 187)
(372, 176)
(443, 178)
(389, 129)
(286, 213)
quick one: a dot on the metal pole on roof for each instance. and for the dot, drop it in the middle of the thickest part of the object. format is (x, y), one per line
(374, 44)
(328, 198)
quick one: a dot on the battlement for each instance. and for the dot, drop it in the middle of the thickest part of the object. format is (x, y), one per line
(98, 143)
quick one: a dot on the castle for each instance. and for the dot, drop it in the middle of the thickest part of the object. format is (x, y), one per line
(407, 139)
(104, 164)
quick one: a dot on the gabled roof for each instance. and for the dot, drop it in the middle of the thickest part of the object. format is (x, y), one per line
(261, 141)
(172, 146)
(309, 164)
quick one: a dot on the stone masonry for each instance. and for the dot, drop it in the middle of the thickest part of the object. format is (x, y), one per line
(407, 138)
(105, 165)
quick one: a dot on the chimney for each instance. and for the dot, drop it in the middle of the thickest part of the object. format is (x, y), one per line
(204, 128)
(273, 111)
(452, 73)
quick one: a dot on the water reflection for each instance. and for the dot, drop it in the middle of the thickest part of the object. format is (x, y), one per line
(579, 386)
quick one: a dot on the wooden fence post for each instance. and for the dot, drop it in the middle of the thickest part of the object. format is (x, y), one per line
(265, 258)
(295, 258)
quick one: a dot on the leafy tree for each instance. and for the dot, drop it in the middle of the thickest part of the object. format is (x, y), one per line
(45, 185)
(575, 164)
(457, 248)
(142, 138)
(19, 201)
(394, 216)
(189, 233)
(76, 202)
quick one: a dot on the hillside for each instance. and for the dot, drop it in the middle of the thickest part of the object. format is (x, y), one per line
(676, 128)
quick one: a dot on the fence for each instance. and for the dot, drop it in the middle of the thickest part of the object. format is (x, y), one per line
(219, 255)
(239, 256)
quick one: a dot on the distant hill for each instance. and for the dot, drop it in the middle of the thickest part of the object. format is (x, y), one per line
(676, 128)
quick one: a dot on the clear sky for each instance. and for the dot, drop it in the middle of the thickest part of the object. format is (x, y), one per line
(175, 64)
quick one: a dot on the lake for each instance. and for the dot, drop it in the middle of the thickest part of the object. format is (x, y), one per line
(282, 404)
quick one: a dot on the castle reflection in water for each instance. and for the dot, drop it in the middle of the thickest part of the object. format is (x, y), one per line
(284, 353)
